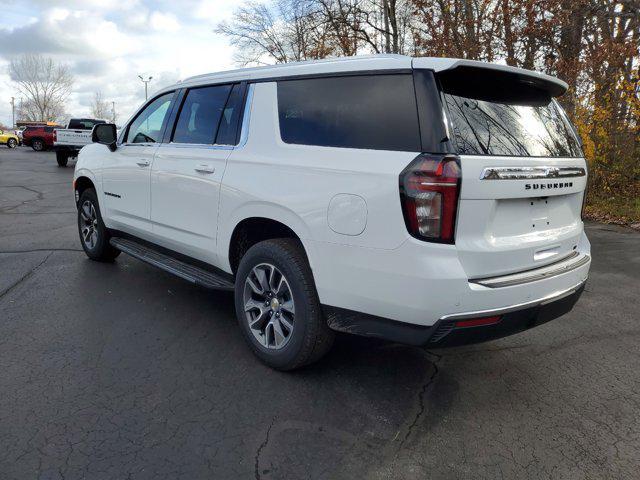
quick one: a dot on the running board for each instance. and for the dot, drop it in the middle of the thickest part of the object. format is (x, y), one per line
(181, 269)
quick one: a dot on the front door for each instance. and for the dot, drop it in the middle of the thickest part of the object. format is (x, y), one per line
(127, 171)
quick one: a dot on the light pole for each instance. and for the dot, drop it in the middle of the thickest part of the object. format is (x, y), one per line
(146, 82)
(13, 112)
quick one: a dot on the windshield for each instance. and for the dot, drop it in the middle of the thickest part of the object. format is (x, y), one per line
(482, 127)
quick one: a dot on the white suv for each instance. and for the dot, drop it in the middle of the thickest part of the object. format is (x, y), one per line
(427, 201)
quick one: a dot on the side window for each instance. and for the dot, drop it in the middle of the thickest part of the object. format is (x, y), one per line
(370, 112)
(200, 115)
(229, 123)
(48, 129)
(147, 126)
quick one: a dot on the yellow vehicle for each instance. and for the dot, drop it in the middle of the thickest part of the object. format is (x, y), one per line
(9, 139)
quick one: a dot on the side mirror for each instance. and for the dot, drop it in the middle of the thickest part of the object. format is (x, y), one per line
(105, 134)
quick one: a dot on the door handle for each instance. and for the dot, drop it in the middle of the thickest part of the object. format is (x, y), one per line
(143, 163)
(205, 169)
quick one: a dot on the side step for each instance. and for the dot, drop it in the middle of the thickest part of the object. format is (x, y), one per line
(184, 270)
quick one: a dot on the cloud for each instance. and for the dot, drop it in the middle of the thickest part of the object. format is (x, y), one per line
(90, 67)
(108, 43)
(213, 10)
(63, 32)
(164, 22)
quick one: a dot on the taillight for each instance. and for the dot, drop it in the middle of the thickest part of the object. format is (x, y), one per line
(584, 193)
(429, 190)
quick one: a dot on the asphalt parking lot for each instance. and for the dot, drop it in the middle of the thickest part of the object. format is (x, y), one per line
(117, 371)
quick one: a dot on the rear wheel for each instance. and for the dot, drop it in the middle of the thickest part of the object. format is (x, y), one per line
(11, 143)
(62, 158)
(278, 307)
(37, 144)
(94, 236)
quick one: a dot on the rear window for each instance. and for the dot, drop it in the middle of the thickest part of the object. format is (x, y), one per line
(497, 114)
(200, 115)
(369, 112)
(83, 124)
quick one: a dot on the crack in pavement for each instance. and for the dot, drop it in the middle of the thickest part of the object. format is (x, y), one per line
(260, 448)
(421, 394)
(390, 453)
(25, 277)
(29, 171)
(39, 196)
(35, 213)
(34, 185)
(43, 250)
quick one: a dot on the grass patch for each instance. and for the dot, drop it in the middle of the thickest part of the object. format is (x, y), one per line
(617, 210)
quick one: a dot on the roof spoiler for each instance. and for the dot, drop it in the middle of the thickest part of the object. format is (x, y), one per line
(452, 67)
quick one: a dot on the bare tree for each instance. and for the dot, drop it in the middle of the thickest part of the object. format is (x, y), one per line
(27, 110)
(100, 108)
(44, 85)
(280, 31)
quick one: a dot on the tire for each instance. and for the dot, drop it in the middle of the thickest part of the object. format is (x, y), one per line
(37, 144)
(94, 236)
(11, 143)
(310, 337)
(62, 158)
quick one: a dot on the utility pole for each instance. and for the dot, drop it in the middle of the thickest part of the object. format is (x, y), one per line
(146, 82)
(13, 112)
(113, 111)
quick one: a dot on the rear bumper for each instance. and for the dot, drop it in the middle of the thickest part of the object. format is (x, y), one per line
(452, 330)
(422, 284)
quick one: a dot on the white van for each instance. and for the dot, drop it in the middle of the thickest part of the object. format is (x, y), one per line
(428, 201)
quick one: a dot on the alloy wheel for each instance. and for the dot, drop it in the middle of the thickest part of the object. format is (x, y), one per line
(88, 225)
(269, 307)
(11, 143)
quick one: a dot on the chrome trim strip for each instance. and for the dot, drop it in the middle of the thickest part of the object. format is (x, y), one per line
(439, 184)
(246, 117)
(527, 173)
(520, 306)
(548, 271)
(203, 146)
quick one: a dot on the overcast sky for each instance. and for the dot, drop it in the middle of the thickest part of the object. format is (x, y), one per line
(108, 43)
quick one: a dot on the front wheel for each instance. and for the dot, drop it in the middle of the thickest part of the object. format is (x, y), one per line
(278, 307)
(62, 158)
(12, 143)
(94, 236)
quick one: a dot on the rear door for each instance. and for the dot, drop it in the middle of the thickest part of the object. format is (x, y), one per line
(188, 169)
(523, 173)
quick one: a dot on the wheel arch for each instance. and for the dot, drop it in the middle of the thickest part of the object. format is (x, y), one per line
(252, 230)
(82, 183)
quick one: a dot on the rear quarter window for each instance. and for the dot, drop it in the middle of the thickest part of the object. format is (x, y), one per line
(367, 111)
